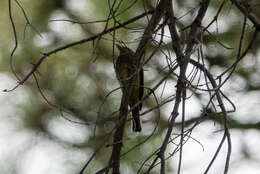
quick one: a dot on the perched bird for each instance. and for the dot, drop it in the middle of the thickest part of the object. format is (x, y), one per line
(132, 83)
(252, 7)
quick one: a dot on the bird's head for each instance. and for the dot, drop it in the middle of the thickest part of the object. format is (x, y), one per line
(124, 50)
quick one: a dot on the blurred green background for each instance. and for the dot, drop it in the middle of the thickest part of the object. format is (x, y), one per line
(39, 138)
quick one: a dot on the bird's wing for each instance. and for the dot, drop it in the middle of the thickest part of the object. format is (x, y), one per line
(141, 88)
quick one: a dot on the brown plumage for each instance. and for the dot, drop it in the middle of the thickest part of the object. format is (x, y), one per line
(131, 82)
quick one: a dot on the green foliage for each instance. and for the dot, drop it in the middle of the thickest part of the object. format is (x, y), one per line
(77, 80)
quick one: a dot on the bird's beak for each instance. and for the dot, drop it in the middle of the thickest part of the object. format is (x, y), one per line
(118, 46)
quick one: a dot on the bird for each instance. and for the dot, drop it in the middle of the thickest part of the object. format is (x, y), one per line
(132, 83)
(252, 7)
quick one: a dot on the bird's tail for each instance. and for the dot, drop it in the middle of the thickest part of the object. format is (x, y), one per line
(136, 120)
